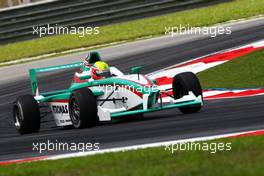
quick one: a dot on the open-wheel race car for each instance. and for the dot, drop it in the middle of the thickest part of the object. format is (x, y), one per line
(100, 95)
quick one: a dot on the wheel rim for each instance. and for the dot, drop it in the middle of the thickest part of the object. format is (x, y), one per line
(75, 111)
(17, 117)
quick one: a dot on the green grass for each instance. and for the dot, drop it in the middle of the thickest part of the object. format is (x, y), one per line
(244, 72)
(154, 26)
(246, 157)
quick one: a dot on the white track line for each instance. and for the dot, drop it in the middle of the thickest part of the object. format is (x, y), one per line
(144, 146)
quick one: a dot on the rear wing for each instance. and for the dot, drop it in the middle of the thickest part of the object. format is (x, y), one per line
(33, 74)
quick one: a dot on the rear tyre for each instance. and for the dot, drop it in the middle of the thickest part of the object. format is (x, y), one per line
(83, 108)
(182, 84)
(26, 114)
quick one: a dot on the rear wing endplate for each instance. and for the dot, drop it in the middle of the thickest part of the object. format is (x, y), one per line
(33, 74)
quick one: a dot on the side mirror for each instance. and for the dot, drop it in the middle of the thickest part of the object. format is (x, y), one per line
(135, 70)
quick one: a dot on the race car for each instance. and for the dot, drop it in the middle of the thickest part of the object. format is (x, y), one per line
(90, 100)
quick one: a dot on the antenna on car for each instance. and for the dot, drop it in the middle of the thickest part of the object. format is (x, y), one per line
(136, 70)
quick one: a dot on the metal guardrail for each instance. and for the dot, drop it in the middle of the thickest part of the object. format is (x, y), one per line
(17, 24)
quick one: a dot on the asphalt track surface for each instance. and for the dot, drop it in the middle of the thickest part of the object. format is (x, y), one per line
(217, 116)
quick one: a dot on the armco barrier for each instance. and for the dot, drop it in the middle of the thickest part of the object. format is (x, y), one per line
(17, 24)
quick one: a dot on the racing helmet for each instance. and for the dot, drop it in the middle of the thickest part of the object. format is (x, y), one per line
(101, 65)
(100, 70)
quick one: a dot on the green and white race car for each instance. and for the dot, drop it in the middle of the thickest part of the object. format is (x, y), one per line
(88, 100)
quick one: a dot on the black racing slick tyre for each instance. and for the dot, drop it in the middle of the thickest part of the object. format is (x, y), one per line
(26, 114)
(182, 84)
(83, 108)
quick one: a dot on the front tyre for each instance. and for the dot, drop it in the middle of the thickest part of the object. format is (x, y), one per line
(182, 84)
(83, 108)
(26, 114)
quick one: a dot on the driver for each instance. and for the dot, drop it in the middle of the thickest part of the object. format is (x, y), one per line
(97, 68)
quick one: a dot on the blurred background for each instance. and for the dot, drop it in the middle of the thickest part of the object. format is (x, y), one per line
(10, 3)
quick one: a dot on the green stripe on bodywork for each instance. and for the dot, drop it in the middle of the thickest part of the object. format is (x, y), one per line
(33, 81)
(63, 95)
(159, 108)
(58, 67)
(55, 92)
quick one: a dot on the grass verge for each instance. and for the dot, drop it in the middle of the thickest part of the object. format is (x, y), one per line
(244, 72)
(246, 157)
(154, 26)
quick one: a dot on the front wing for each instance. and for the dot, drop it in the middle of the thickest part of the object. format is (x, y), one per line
(187, 100)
